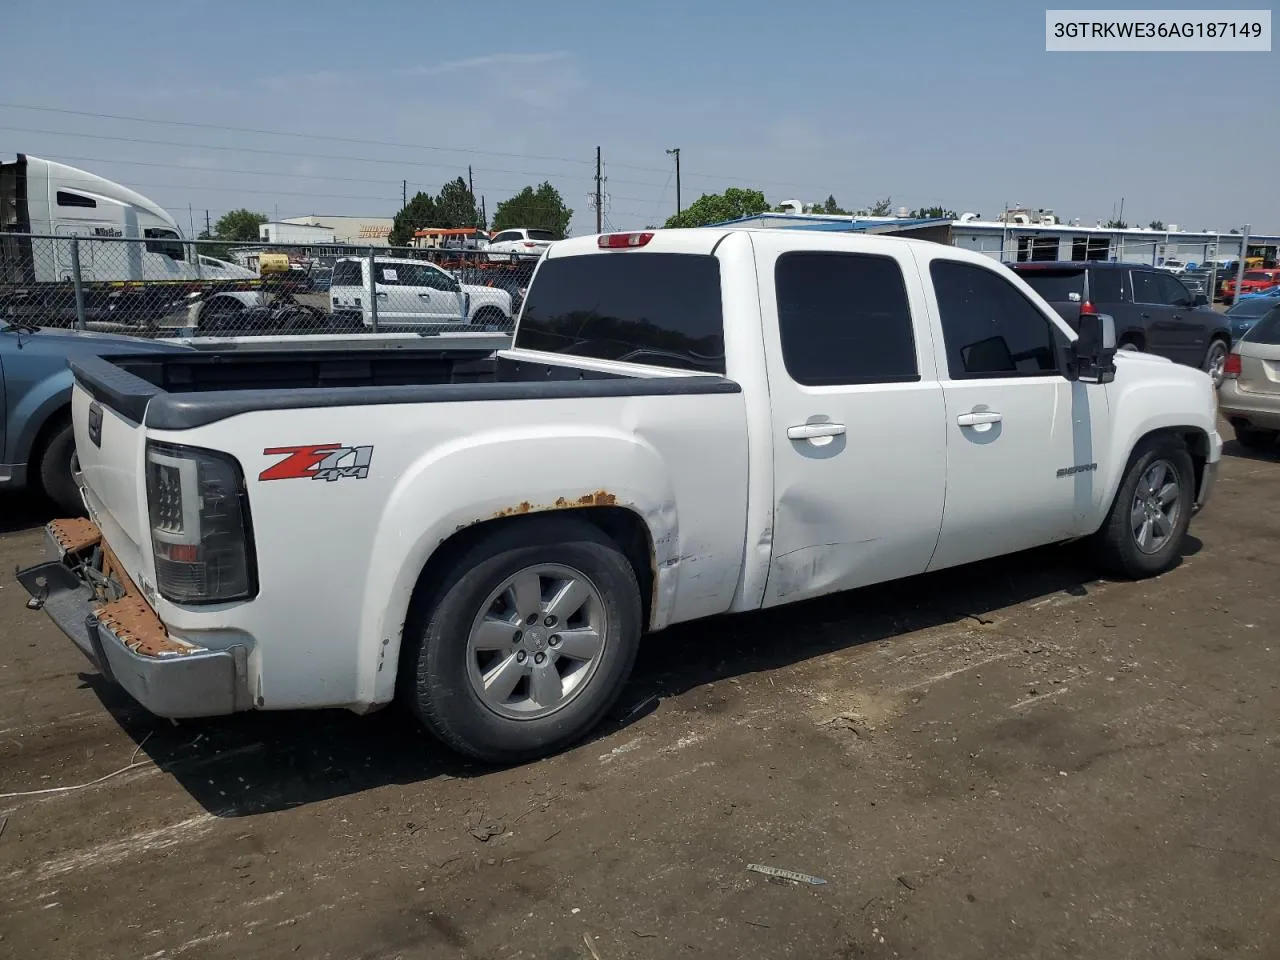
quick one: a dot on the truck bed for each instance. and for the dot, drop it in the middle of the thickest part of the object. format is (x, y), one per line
(178, 392)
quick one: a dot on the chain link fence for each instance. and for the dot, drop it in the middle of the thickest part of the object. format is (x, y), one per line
(186, 288)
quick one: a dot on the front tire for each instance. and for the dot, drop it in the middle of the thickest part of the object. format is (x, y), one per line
(53, 469)
(526, 642)
(1143, 531)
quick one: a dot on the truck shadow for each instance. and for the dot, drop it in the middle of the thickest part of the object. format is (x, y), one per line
(256, 763)
(24, 511)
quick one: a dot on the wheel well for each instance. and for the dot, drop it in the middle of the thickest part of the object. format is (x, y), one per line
(624, 527)
(52, 424)
(1197, 442)
(1134, 337)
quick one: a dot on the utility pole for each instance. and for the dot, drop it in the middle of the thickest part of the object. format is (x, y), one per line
(599, 199)
(471, 186)
(404, 194)
(675, 151)
(1244, 252)
(207, 228)
(484, 214)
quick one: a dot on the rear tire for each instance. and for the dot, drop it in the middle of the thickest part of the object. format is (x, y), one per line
(1255, 438)
(1215, 359)
(452, 669)
(53, 469)
(1160, 515)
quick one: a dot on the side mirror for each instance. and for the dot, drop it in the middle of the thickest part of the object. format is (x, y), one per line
(1094, 351)
(1199, 300)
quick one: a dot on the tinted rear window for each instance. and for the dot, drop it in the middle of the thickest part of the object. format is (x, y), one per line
(1056, 286)
(347, 274)
(542, 235)
(1266, 330)
(661, 309)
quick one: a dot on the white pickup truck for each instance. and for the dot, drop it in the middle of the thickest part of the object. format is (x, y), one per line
(689, 423)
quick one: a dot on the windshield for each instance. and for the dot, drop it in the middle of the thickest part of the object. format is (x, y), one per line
(654, 308)
(1254, 307)
(1056, 286)
(1258, 275)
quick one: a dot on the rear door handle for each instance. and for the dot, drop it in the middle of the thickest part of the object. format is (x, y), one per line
(810, 431)
(973, 419)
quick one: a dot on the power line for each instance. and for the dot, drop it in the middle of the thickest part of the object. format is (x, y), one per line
(362, 141)
(282, 153)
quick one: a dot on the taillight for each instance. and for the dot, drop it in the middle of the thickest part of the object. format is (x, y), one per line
(623, 241)
(200, 532)
(1231, 368)
(1088, 308)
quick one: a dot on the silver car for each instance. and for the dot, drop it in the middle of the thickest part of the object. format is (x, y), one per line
(1249, 397)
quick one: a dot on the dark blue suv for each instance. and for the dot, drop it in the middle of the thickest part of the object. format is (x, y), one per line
(1153, 310)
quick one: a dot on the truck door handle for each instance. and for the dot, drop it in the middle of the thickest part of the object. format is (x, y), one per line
(424, 296)
(809, 431)
(382, 296)
(984, 416)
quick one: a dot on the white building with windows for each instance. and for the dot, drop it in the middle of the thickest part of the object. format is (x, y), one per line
(356, 231)
(1021, 242)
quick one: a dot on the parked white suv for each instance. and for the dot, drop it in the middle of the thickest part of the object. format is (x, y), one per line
(413, 292)
(508, 246)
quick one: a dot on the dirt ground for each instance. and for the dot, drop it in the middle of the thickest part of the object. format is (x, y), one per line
(1009, 760)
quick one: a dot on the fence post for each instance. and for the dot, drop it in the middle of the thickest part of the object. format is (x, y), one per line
(77, 282)
(462, 293)
(373, 292)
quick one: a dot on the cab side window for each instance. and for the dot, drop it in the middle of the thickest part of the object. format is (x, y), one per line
(990, 328)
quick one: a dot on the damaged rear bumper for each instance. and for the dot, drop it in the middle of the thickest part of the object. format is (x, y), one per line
(86, 592)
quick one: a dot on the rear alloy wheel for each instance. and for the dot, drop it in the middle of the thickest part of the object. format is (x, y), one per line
(1215, 360)
(1144, 529)
(525, 642)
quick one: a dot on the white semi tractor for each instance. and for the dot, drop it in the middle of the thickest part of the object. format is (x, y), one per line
(43, 204)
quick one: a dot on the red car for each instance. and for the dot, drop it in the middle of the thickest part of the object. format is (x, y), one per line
(1255, 281)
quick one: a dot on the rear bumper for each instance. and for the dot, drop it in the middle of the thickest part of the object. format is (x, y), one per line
(123, 638)
(1260, 410)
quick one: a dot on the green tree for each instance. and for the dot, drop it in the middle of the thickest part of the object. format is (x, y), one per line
(1156, 225)
(934, 213)
(831, 207)
(540, 209)
(419, 212)
(239, 225)
(719, 207)
(881, 208)
(456, 206)
(1116, 225)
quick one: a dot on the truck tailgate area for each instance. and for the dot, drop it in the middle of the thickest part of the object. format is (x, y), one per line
(110, 449)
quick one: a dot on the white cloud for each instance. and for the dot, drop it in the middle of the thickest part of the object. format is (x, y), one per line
(484, 62)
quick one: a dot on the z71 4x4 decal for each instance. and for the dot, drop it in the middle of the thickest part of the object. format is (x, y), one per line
(318, 461)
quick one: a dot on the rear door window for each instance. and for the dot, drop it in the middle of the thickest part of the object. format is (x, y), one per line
(843, 318)
(661, 309)
(1172, 291)
(1056, 286)
(1146, 287)
(1107, 286)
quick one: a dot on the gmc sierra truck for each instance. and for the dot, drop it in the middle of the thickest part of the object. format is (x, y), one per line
(688, 423)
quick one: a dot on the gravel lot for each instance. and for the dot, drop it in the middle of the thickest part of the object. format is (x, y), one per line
(1008, 760)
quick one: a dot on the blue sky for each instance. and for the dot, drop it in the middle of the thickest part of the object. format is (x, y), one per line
(938, 102)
